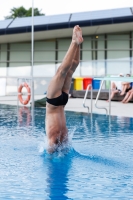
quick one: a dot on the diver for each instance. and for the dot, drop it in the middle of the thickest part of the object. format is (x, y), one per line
(58, 91)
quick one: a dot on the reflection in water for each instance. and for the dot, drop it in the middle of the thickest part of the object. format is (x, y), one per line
(24, 116)
(58, 176)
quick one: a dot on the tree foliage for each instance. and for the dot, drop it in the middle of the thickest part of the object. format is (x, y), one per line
(22, 12)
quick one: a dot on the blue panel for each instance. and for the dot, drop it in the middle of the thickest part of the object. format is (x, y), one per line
(101, 14)
(59, 18)
(122, 12)
(80, 16)
(39, 20)
(21, 22)
(54, 19)
(4, 23)
(62, 21)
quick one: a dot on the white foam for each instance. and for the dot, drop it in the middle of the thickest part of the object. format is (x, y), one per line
(62, 150)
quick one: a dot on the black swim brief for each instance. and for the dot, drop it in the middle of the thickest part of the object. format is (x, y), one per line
(128, 89)
(59, 101)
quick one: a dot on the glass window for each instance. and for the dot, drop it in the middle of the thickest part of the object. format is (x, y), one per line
(132, 56)
(100, 55)
(118, 42)
(20, 46)
(2, 86)
(3, 69)
(118, 37)
(86, 49)
(87, 43)
(44, 56)
(44, 45)
(16, 70)
(118, 55)
(116, 67)
(86, 64)
(93, 68)
(44, 70)
(63, 45)
(11, 86)
(86, 68)
(132, 45)
(3, 59)
(44, 59)
(3, 52)
(20, 59)
(41, 85)
(86, 55)
(20, 55)
(44, 51)
(98, 68)
(100, 43)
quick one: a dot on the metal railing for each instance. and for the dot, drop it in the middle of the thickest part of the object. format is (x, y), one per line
(100, 107)
(86, 93)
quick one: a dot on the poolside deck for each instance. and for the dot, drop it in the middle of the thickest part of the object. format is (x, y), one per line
(117, 108)
(76, 104)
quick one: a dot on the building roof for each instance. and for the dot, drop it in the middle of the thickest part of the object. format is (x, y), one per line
(53, 22)
(60, 26)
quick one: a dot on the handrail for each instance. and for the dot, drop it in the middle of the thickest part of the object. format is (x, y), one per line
(98, 97)
(126, 79)
(86, 93)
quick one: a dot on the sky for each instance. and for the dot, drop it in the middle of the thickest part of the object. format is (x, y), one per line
(53, 7)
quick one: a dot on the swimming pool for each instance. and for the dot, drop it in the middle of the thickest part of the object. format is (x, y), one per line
(97, 166)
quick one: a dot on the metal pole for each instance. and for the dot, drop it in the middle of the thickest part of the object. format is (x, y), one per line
(109, 97)
(85, 98)
(32, 60)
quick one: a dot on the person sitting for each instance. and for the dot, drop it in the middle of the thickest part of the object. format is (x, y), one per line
(116, 87)
(126, 86)
(57, 94)
(128, 96)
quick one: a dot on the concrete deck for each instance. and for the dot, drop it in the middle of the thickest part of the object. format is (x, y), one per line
(117, 108)
(76, 104)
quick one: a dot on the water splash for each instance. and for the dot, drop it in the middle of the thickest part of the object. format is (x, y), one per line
(62, 149)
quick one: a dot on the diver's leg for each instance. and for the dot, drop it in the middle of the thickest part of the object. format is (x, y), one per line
(68, 79)
(57, 82)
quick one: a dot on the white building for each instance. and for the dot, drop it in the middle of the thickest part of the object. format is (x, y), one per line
(107, 47)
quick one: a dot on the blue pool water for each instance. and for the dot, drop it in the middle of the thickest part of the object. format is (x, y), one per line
(98, 164)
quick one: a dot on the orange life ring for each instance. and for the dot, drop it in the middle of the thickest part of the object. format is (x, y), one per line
(26, 101)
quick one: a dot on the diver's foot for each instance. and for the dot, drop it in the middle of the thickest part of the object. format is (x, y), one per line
(77, 35)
